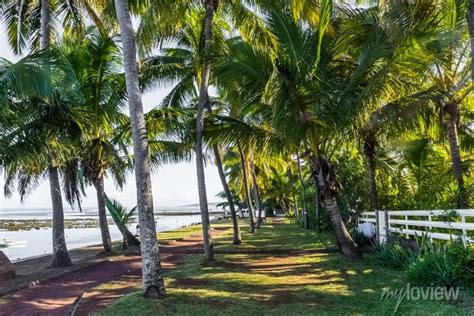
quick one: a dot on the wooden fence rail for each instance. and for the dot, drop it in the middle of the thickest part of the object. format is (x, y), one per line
(435, 224)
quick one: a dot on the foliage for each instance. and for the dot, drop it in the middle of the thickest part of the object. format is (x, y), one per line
(121, 216)
(395, 255)
(449, 264)
(444, 264)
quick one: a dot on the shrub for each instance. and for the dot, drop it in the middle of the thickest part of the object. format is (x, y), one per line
(395, 255)
(447, 264)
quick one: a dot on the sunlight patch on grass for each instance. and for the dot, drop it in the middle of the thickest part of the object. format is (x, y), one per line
(279, 284)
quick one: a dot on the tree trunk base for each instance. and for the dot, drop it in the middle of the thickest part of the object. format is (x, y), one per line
(354, 254)
(237, 242)
(154, 292)
(61, 260)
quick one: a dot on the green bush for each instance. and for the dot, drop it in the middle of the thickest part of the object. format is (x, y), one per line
(395, 255)
(441, 264)
(447, 264)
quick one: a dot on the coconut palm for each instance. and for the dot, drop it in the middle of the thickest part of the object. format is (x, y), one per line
(43, 130)
(122, 217)
(23, 27)
(299, 105)
(153, 285)
(443, 87)
(181, 64)
(250, 26)
(96, 62)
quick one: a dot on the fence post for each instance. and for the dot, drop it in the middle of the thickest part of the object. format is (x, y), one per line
(406, 227)
(377, 225)
(464, 231)
(430, 228)
(382, 228)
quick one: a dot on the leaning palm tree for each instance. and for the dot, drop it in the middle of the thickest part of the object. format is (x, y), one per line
(152, 278)
(122, 217)
(300, 102)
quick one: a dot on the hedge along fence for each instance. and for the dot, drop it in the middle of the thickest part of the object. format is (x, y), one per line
(435, 224)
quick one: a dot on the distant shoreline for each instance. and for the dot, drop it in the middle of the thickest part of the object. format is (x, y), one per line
(75, 221)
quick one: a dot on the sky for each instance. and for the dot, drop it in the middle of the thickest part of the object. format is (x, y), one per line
(173, 184)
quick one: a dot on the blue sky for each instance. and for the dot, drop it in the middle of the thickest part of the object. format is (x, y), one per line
(173, 185)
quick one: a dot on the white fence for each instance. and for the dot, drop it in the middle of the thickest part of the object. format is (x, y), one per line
(435, 224)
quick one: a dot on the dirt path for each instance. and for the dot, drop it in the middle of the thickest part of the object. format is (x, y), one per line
(80, 290)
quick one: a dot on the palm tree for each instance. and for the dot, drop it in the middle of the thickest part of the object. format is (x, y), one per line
(245, 181)
(442, 61)
(153, 285)
(250, 26)
(96, 62)
(182, 64)
(43, 131)
(256, 192)
(21, 20)
(298, 104)
(236, 240)
(210, 7)
(122, 218)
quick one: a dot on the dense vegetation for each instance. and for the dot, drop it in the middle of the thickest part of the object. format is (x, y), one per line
(308, 106)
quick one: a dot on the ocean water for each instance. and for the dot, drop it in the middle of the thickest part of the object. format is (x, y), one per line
(39, 242)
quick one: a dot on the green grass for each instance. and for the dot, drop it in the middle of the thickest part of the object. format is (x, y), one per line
(187, 231)
(263, 284)
(179, 233)
(279, 237)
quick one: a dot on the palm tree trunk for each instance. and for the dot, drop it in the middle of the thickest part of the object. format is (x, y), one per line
(369, 152)
(103, 223)
(45, 20)
(346, 244)
(295, 200)
(470, 22)
(128, 237)
(247, 191)
(235, 223)
(452, 121)
(317, 204)
(303, 191)
(60, 254)
(327, 184)
(256, 193)
(203, 98)
(152, 278)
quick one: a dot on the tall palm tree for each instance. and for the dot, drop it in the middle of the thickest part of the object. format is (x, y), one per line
(236, 240)
(22, 25)
(44, 127)
(182, 64)
(299, 105)
(210, 7)
(470, 21)
(250, 26)
(153, 285)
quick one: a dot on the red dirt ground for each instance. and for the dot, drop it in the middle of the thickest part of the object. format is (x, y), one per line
(59, 296)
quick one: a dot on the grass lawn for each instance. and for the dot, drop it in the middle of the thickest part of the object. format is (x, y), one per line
(280, 284)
